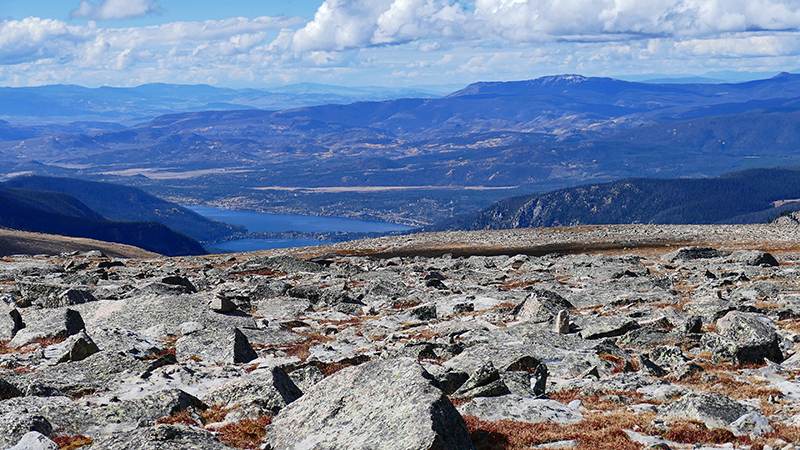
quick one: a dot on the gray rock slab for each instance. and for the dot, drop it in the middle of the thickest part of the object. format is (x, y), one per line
(77, 378)
(709, 308)
(484, 382)
(129, 414)
(283, 308)
(306, 376)
(714, 410)
(10, 322)
(160, 437)
(33, 440)
(667, 356)
(14, 424)
(388, 404)
(753, 258)
(647, 337)
(541, 306)
(122, 340)
(48, 323)
(752, 423)
(270, 336)
(272, 389)
(76, 348)
(509, 357)
(282, 263)
(222, 346)
(746, 338)
(515, 407)
(168, 311)
(597, 327)
(690, 253)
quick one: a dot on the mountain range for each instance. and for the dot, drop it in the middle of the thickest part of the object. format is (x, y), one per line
(749, 196)
(67, 104)
(528, 136)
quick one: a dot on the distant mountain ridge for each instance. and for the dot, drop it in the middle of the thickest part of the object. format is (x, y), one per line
(748, 196)
(130, 105)
(61, 214)
(123, 203)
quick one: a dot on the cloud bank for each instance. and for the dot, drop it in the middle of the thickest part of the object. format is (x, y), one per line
(115, 9)
(395, 42)
(342, 24)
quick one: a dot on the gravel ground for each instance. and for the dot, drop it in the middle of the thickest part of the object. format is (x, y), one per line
(644, 240)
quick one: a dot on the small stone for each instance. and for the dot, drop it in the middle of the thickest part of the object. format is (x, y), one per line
(539, 381)
(191, 327)
(562, 322)
(75, 348)
(222, 304)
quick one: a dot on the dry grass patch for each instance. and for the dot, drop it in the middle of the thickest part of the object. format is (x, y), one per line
(516, 285)
(184, 417)
(247, 433)
(33, 345)
(214, 413)
(766, 305)
(72, 442)
(727, 384)
(596, 432)
(595, 401)
(301, 349)
(694, 432)
(792, 325)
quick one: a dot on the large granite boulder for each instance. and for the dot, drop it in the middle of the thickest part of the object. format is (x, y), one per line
(541, 306)
(690, 253)
(15, 424)
(714, 410)
(382, 404)
(224, 346)
(272, 389)
(744, 338)
(49, 324)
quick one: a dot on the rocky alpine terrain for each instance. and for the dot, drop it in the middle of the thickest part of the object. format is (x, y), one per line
(604, 337)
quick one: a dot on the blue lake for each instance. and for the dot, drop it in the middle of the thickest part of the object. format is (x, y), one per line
(257, 222)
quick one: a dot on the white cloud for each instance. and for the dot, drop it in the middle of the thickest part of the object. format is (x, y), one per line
(417, 41)
(115, 9)
(34, 39)
(343, 24)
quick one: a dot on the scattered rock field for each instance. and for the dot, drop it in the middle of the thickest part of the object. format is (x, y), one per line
(619, 337)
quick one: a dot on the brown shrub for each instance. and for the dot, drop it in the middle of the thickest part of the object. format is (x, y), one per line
(214, 413)
(184, 417)
(72, 442)
(246, 433)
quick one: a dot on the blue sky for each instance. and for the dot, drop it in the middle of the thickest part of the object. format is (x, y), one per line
(264, 43)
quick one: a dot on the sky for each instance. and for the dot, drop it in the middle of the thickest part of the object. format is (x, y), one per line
(397, 43)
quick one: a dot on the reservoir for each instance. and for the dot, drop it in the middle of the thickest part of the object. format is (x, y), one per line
(257, 222)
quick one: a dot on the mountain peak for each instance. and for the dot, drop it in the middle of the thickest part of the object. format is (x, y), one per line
(566, 79)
